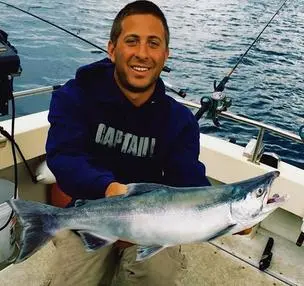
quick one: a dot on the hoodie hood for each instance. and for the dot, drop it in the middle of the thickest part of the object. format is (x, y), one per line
(100, 74)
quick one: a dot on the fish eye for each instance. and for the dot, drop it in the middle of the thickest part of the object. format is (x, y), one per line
(259, 192)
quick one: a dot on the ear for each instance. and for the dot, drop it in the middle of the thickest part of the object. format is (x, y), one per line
(111, 49)
(167, 53)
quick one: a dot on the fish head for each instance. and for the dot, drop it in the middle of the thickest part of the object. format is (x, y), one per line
(253, 202)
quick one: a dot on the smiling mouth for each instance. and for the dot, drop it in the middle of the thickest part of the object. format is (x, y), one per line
(140, 69)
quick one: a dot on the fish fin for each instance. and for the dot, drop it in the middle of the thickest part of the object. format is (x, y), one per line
(141, 188)
(39, 225)
(145, 252)
(92, 241)
(223, 231)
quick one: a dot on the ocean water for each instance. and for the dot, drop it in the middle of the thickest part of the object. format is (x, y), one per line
(207, 38)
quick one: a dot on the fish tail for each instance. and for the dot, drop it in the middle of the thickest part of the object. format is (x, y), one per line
(39, 224)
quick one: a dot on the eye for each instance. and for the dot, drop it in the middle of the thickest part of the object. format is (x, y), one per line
(259, 192)
(131, 42)
(154, 44)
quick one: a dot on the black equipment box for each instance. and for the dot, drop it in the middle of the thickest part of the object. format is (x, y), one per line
(9, 67)
(9, 60)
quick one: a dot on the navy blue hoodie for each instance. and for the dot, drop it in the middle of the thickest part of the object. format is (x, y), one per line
(98, 137)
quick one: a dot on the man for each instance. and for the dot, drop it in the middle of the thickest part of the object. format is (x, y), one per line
(113, 125)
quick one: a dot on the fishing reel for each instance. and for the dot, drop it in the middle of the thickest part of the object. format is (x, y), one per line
(214, 104)
(9, 68)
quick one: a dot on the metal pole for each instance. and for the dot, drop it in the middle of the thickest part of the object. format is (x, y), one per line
(224, 114)
(258, 145)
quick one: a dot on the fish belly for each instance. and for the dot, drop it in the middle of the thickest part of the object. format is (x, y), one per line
(176, 226)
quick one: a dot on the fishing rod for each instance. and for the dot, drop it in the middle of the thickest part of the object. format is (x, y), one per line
(218, 99)
(180, 92)
(221, 85)
(52, 24)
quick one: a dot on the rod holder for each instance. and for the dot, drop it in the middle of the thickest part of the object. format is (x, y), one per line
(258, 145)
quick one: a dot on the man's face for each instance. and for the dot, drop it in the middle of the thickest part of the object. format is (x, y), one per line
(140, 53)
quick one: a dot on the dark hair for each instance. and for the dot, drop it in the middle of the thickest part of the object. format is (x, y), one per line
(134, 8)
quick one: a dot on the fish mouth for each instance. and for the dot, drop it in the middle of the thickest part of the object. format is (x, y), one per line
(276, 199)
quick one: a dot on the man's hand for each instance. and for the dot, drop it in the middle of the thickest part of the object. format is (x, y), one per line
(116, 189)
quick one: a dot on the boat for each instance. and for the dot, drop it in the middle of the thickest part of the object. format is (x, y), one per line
(271, 254)
(233, 260)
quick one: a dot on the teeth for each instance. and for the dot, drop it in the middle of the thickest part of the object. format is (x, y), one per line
(140, 69)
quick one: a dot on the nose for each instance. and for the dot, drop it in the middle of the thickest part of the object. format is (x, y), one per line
(142, 51)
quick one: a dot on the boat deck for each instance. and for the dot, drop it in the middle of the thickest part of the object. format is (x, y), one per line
(230, 260)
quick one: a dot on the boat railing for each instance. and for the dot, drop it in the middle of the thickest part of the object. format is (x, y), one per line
(258, 124)
(262, 127)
